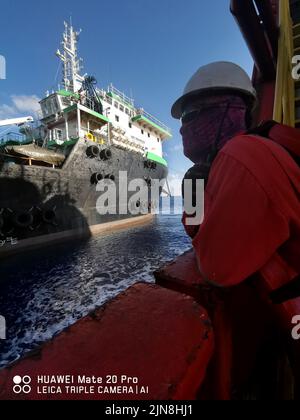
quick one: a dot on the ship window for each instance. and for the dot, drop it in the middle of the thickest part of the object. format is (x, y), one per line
(57, 134)
(158, 139)
(48, 107)
(44, 109)
(65, 101)
(142, 131)
(55, 106)
(117, 118)
(149, 135)
(130, 125)
(116, 105)
(127, 111)
(109, 100)
(121, 108)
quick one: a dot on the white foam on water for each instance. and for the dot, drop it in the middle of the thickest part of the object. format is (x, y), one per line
(55, 289)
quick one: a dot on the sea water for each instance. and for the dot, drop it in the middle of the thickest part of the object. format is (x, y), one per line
(42, 293)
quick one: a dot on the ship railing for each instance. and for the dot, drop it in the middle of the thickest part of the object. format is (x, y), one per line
(90, 104)
(127, 101)
(101, 93)
(141, 111)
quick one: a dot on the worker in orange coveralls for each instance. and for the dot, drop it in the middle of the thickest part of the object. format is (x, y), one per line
(252, 193)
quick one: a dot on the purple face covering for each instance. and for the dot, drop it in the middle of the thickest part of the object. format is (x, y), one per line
(220, 118)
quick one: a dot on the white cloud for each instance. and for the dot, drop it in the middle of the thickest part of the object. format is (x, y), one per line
(25, 103)
(7, 111)
(20, 104)
(177, 148)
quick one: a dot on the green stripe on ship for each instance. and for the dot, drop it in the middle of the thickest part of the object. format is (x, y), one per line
(158, 159)
(87, 110)
(66, 143)
(146, 120)
(67, 93)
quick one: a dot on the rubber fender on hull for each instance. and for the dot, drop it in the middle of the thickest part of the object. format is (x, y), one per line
(110, 177)
(23, 219)
(1, 219)
(149, 164)
(96, 177)
(105, 154)
(7, 225)
(92, 151)
(49, 216)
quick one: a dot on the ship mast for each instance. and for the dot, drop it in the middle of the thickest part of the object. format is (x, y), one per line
(72, 65)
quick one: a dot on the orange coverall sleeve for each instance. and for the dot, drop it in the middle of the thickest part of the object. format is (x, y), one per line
(242, 227)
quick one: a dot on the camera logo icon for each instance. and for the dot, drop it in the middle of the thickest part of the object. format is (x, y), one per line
(21, 384)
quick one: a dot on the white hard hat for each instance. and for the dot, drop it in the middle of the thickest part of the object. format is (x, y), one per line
(218, 76)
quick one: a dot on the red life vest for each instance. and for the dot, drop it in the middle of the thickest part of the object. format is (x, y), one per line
(252, 211)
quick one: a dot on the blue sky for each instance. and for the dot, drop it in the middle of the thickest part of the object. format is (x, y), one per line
(147, 47)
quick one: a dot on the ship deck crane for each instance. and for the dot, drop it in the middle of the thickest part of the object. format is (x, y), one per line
(16, 121)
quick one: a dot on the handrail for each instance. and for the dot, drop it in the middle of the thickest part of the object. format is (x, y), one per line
(121, 95)
(141, 111)
(284, 104)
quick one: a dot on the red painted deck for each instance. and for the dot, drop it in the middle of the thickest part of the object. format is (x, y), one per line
(162, 337)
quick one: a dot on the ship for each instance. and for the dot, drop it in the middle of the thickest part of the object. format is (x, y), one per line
(84, 135)
(202, 342)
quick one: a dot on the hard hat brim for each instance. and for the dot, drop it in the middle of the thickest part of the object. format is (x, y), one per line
(177, 108)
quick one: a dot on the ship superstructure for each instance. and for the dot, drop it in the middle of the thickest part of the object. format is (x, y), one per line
(83, 134)
(80, 109)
